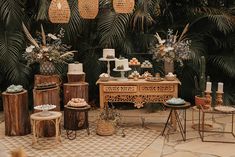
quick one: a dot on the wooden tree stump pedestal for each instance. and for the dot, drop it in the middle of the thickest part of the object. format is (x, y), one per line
(72, 78)
(17, 122)
(38, 79)
(47, 96)
(75, 90)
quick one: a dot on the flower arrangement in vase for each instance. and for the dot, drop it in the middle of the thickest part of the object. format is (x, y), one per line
(47, 50)
(173, 48)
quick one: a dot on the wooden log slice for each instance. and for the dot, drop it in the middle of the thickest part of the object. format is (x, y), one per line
(17, 121)
(47, 96)
(72, 78)
(75, 90)
(39, 79)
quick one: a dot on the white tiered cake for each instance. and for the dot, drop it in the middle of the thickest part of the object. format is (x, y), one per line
(121, 64)
(108, 53)
(75, 68)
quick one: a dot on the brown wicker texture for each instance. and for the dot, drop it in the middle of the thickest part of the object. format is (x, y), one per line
(105, 128)
(123, 6)
(88, 9)
(59, 11)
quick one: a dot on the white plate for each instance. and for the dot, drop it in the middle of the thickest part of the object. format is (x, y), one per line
(45, 107)
(225, 108)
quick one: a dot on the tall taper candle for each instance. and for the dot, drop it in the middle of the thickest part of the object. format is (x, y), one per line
(220, 87)
(208, 86)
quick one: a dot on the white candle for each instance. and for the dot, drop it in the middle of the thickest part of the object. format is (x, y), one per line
(208, 86)
(220, 87)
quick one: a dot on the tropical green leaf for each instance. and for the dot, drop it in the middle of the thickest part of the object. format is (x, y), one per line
(112, 28)
(10, 54)
(12, 12)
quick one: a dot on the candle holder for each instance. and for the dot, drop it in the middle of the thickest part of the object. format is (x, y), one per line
(208, 99)
(219, 98)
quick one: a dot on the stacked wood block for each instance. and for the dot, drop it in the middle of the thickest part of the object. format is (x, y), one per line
(75, 88)
(16, 113)
(47, 96)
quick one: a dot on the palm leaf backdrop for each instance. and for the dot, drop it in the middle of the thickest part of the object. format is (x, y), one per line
(211, 33)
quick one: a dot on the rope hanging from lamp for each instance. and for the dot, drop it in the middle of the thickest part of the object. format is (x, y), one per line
(88, 9)
(123, 6)
(59, 11)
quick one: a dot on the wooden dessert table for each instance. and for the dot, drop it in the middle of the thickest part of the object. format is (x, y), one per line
(137, 92)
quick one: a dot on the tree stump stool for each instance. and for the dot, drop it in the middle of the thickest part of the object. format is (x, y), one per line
(47, 96)
(17, 122)
(76, 78)
(75, 118)
(38, 79)
(75, 90)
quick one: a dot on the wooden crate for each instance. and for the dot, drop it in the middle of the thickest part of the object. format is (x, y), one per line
(75, 90)
(76, 78)
(16, 113)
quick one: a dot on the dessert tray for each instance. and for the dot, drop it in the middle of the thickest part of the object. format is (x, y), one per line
(176, 101)
(77, 103)
(154, 79)
(224, 108)
(46, 85)
(45, 109)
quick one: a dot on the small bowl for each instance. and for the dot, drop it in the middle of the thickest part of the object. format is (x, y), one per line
(170, 78)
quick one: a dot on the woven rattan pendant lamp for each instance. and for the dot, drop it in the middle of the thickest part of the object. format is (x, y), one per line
(88, 9)
(123, 6)
(59, 11)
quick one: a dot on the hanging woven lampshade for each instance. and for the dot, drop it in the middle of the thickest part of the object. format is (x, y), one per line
(88, 9)
(123, 6)
(59, 11)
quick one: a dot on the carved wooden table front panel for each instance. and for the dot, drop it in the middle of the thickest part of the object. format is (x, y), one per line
(137, 92)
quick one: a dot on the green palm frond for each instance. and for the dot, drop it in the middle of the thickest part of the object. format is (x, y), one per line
(76, 23)
(10, 53)
(42, 14)
(112, 28)
(12, 13)
(224, 63)
(142, 16)
(224, 20)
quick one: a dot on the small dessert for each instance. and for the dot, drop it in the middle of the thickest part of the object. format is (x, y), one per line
(75, 68)
(146, 64)
(134, 62)
(14, 88)
(176, 101)
(77, 102)
(134, 74)
(104, 77)
(146, 74)
(170, 76)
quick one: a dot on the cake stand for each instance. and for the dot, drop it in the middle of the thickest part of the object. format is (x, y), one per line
(108, 63)
(122, 72)
(45, 109)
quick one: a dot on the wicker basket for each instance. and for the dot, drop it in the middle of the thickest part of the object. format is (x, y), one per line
(88, 9)
(59, 11)
(123, 6)
(105, 128)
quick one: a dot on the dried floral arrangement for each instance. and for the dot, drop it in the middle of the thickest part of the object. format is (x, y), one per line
(109, 113)
(47, 48)
(172, 48)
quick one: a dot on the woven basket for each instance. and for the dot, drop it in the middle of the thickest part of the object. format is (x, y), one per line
(88, 9)
(105, 128)
(47, 68)
(59, 11)
(123, 6)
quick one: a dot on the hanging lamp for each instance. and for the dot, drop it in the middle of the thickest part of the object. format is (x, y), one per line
(59, 11)
(123, 6)
(88, 9)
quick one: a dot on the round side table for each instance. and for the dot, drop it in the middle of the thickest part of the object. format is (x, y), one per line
(54, 117)
(173, 110)
(75, 118)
